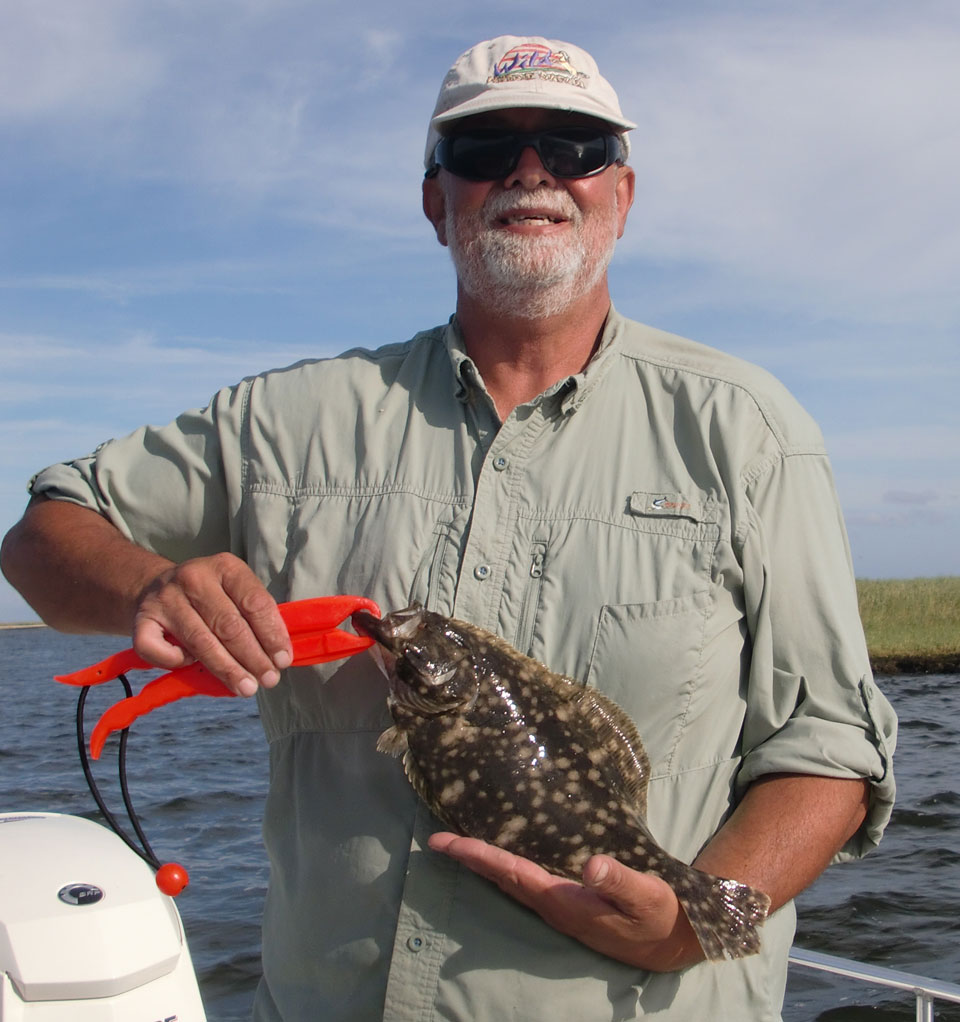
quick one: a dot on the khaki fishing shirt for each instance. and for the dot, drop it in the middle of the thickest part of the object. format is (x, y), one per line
(662, 526)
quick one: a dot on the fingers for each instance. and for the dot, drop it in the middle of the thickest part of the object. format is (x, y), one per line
(522, 879)
(631, 916)
(215, 610)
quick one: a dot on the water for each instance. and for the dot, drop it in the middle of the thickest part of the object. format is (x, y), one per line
(197, 774)
(900, 906)
(198, 778)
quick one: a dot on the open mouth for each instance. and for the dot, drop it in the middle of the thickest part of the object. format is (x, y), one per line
(511, 219)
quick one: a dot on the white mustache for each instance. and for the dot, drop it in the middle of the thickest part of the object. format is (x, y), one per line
(557, 204)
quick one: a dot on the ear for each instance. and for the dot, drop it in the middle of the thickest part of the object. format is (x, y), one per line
(435, 207)
(625, 188)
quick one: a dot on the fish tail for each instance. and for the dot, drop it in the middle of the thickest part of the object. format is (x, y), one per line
(724, 914)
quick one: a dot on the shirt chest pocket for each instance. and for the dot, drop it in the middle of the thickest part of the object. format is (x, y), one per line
(649, 657)
(623, 605)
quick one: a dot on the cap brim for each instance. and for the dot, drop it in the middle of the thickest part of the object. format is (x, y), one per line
(529, 99)
(488, 102)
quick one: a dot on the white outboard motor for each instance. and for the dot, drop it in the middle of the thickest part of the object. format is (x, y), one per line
(85, 935)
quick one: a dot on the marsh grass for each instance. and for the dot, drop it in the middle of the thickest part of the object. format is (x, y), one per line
(912, 625)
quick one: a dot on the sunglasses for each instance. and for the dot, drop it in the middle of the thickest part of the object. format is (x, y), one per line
(491, 155)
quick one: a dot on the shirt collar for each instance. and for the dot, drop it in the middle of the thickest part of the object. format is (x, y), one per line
(567, 394)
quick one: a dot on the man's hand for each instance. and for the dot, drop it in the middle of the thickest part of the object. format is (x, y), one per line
(779, 838)
(215, 610)
(633, 917)
(82, 575)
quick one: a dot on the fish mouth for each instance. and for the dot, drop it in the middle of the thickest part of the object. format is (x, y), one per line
(390, 631)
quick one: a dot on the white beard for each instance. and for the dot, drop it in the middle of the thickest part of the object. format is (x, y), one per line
(524, 277)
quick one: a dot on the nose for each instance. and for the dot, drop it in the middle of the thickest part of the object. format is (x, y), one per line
(529, 172)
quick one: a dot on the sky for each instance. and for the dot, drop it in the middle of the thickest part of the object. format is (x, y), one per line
(195, 190)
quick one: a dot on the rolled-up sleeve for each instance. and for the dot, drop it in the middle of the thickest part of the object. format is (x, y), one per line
(812, 704)
(171, 489)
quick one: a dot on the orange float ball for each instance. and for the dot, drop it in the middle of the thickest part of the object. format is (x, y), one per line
(172, 878)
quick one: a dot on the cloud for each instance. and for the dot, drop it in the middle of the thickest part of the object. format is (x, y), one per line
(106, 388)
(914, 497)
(899, 519)
(805, 158)
(121, 284)
(908, 442)
(818, 158)
(256, 96)
(57, 56)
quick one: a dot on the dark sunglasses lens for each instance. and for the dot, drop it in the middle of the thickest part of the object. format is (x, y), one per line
(573, 154)
(489, 156)
(479, 157)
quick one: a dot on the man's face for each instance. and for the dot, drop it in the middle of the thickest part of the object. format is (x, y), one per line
(529, 244)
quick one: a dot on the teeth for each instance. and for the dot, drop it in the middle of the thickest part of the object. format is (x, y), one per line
(533, 218)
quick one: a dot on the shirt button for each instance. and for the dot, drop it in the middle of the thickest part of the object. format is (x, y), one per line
(481, 571)
(500, 463)
(416, 943)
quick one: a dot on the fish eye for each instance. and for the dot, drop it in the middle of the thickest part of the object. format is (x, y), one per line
(439, 680)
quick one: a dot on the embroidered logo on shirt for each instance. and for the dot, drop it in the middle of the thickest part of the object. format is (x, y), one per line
(671, 505)
(534, 60)
(666, 504)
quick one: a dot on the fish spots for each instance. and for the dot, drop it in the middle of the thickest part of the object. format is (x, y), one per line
(577, 860)
(452, 792)
(511, 753)
(510, 831)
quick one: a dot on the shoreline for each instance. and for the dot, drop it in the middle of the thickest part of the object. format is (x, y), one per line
(883, 664)
(916, 663)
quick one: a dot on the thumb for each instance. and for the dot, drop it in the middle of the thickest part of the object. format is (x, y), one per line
(155, 644)
(633, 893)
(604, 875)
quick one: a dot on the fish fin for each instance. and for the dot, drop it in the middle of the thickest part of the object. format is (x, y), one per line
(419, 784)
(724, 914)
(618, 734)
(393, 741)
(417, 781)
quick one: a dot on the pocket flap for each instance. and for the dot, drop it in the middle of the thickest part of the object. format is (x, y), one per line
(670, 505)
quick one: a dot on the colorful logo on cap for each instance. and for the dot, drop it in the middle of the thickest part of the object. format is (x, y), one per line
(534, 60)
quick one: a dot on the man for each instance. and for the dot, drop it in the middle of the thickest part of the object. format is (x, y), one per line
(637, 511)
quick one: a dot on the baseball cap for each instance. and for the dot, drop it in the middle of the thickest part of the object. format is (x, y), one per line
(524, 71)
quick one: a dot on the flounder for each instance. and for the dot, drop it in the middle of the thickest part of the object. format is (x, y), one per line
(502, 749)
